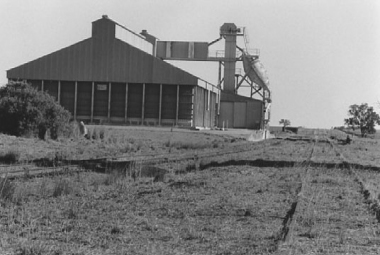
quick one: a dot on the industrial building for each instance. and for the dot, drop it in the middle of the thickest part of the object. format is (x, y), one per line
(119, 76)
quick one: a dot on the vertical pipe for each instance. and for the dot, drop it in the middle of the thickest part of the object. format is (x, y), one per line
(160, 107)
(177, 107)
(109, 102)
(42, 85)
(92, 101)
(75, 100)
(59, 92)
(126, 103)
(143, 105)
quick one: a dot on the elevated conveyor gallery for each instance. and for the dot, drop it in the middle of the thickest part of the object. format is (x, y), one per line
(234, 110)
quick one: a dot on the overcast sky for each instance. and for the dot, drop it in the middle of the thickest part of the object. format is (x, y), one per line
(321, 55)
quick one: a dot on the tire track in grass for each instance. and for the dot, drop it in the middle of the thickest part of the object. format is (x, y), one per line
(330, 217)
(370, 198)
(286, 234)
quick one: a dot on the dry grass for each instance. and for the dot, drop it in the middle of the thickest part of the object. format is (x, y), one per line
(226, 205)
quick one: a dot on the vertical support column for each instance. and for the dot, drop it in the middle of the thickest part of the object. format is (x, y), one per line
(92, 101)
(229, 33)
(160, 107)
(59, 92)
(211, 106)
(204, 106)
(251, 89)
(143, 105)
(194, 106)
(109, 102)
(126, 103)
(75, 100)
(42, 85)
(177, 107)
(220, 75)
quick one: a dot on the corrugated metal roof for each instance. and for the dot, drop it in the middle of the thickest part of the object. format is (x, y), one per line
(102, 58)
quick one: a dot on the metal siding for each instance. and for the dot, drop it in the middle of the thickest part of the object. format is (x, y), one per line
(226, 114)
(102, 58)
(240, 114)
(169, 101)
(84, 98)
(185, 102)
(35, 84)
(161, 48)
(199, 107)
(254, 112)
(118, 100)
(200, 50)
(101, 100)
(213, 109)
(68, 95)
(115, 73)
(135, 92)
(206, 119)
(51, 87)
(152, 100)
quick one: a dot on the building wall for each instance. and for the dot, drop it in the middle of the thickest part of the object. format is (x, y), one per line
(103, 78)
(240, 112)
(104, 58)
(134, 103)
(205, 108)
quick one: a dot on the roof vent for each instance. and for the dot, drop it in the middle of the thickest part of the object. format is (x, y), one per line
(105, 16)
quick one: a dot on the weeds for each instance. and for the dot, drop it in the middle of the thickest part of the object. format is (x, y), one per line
(34, 248)
(189, 145)
(62, 187)
(7, 189)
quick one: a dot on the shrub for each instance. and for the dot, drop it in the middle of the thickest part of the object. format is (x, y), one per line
(10, 157)
(24, 110)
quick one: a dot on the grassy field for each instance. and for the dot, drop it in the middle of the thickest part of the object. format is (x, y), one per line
(305, 193)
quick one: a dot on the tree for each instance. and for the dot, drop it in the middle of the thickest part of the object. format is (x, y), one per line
(24, 110)
(362, 117)
(285, 123)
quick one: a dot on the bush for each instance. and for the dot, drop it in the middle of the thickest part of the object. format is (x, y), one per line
(24, 110)
(10, 157)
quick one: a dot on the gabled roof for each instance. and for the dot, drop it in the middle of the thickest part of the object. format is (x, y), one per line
(103, 57)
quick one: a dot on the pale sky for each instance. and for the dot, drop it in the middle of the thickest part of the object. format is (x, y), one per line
(321, 55)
